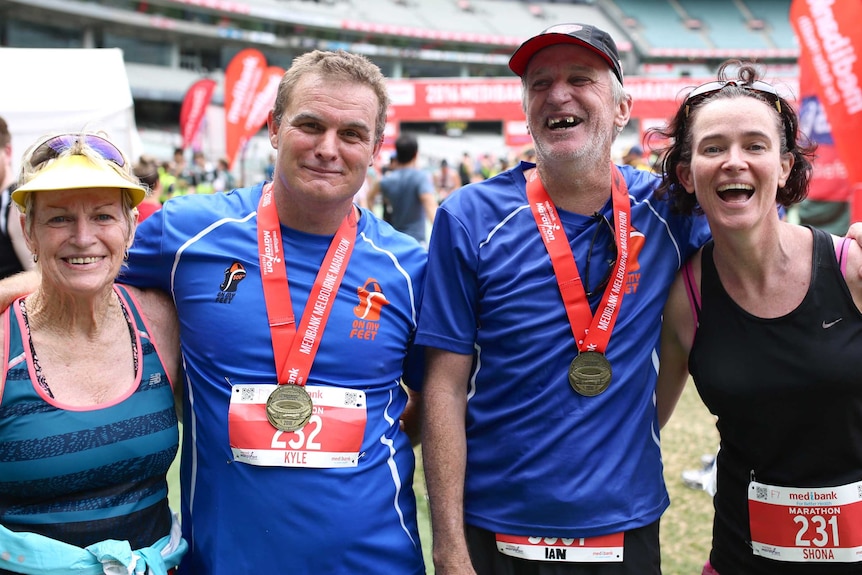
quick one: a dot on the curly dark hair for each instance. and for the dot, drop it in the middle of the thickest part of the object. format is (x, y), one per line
(678, 134)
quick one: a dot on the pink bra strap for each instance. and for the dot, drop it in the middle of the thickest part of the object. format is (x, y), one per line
(692, 292)
(841, 253)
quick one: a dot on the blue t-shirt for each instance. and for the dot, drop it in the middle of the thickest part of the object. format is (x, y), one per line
(242, 518)
(543, 460)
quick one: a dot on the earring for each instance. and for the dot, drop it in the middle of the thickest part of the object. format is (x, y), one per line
(35, 258)
(126, 255)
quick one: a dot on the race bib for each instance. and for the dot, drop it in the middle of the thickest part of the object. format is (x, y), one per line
(331, 438)
(806, 524)
(601, 549)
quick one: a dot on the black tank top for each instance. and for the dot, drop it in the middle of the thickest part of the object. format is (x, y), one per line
(788, 396)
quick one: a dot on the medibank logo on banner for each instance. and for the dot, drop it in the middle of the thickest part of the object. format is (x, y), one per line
(830, 42)
(194, 106)
(832, 53)
(242, 77)
(264, 99)
(246, 73)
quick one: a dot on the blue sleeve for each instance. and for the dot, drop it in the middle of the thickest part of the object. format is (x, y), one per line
(447, 317)
(414, 367)
(414, 361)
(149, 264)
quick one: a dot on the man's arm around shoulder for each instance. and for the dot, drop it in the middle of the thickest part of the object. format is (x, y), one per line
(17, 285)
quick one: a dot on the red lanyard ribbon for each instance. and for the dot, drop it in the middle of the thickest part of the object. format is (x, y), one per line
(592, 333)
(294, 356)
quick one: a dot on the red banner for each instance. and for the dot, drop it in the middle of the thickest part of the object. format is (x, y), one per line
(261, 104)
(242, 78)
(194, 107)
(447, 99)
(829, 181)
(655, 100)
(830, 37)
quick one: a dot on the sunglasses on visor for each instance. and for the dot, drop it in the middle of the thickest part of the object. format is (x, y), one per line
(56, 145)
(704, 91)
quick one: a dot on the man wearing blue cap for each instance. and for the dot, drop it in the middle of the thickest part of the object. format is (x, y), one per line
(541, 310)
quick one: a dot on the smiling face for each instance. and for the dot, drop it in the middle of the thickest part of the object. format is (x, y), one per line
(80, 237)
(325, 140)
(736, 161)
(572, 113)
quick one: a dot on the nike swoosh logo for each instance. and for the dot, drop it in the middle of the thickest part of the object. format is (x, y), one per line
(827, 325)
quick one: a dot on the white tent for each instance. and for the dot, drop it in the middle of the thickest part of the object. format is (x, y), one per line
(66, 90)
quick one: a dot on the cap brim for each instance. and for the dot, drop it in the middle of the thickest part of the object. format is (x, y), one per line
(76, 172)
(519, 60)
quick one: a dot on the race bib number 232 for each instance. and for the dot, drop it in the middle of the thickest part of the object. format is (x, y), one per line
(331, 438)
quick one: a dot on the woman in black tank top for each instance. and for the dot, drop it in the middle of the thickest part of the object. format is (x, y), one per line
(768, 327)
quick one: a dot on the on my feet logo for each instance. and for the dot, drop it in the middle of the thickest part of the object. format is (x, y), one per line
(234, 274)
(633, 275)
(371, 302)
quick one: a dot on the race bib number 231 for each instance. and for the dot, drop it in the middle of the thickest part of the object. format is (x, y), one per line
(806, 524)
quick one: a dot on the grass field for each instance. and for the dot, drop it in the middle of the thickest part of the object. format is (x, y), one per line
(685, 528)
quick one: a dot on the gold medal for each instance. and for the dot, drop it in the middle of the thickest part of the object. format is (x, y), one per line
(590, 373)
(288, 408)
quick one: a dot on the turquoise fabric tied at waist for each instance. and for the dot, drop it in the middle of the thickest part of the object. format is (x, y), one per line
(34, 554)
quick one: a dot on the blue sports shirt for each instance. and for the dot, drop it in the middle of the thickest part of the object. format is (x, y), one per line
(243, 518)
(543, 460)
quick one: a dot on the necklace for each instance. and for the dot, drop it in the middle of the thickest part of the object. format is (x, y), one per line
(40, 377)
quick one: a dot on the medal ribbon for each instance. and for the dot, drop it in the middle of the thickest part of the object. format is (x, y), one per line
(294, 356)
(592, 333)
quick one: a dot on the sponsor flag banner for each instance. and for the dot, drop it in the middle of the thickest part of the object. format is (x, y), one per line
(194, 108)
(829, 181)
(261, 104)
(242, 78)
(830, 40)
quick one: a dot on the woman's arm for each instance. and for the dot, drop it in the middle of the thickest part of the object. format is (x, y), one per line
(677, 334)
(17, 285)
(853, 275)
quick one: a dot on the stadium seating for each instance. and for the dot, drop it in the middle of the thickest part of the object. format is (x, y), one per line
(775, 15)
(724, 25)
(701, 27)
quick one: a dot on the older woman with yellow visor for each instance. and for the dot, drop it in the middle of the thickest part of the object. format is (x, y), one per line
(88, 426)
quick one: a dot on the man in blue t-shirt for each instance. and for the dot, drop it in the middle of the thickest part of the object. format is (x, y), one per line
(542, 307)
(297, 312)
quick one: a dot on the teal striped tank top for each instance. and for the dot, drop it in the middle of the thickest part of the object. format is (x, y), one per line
(86, 475)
